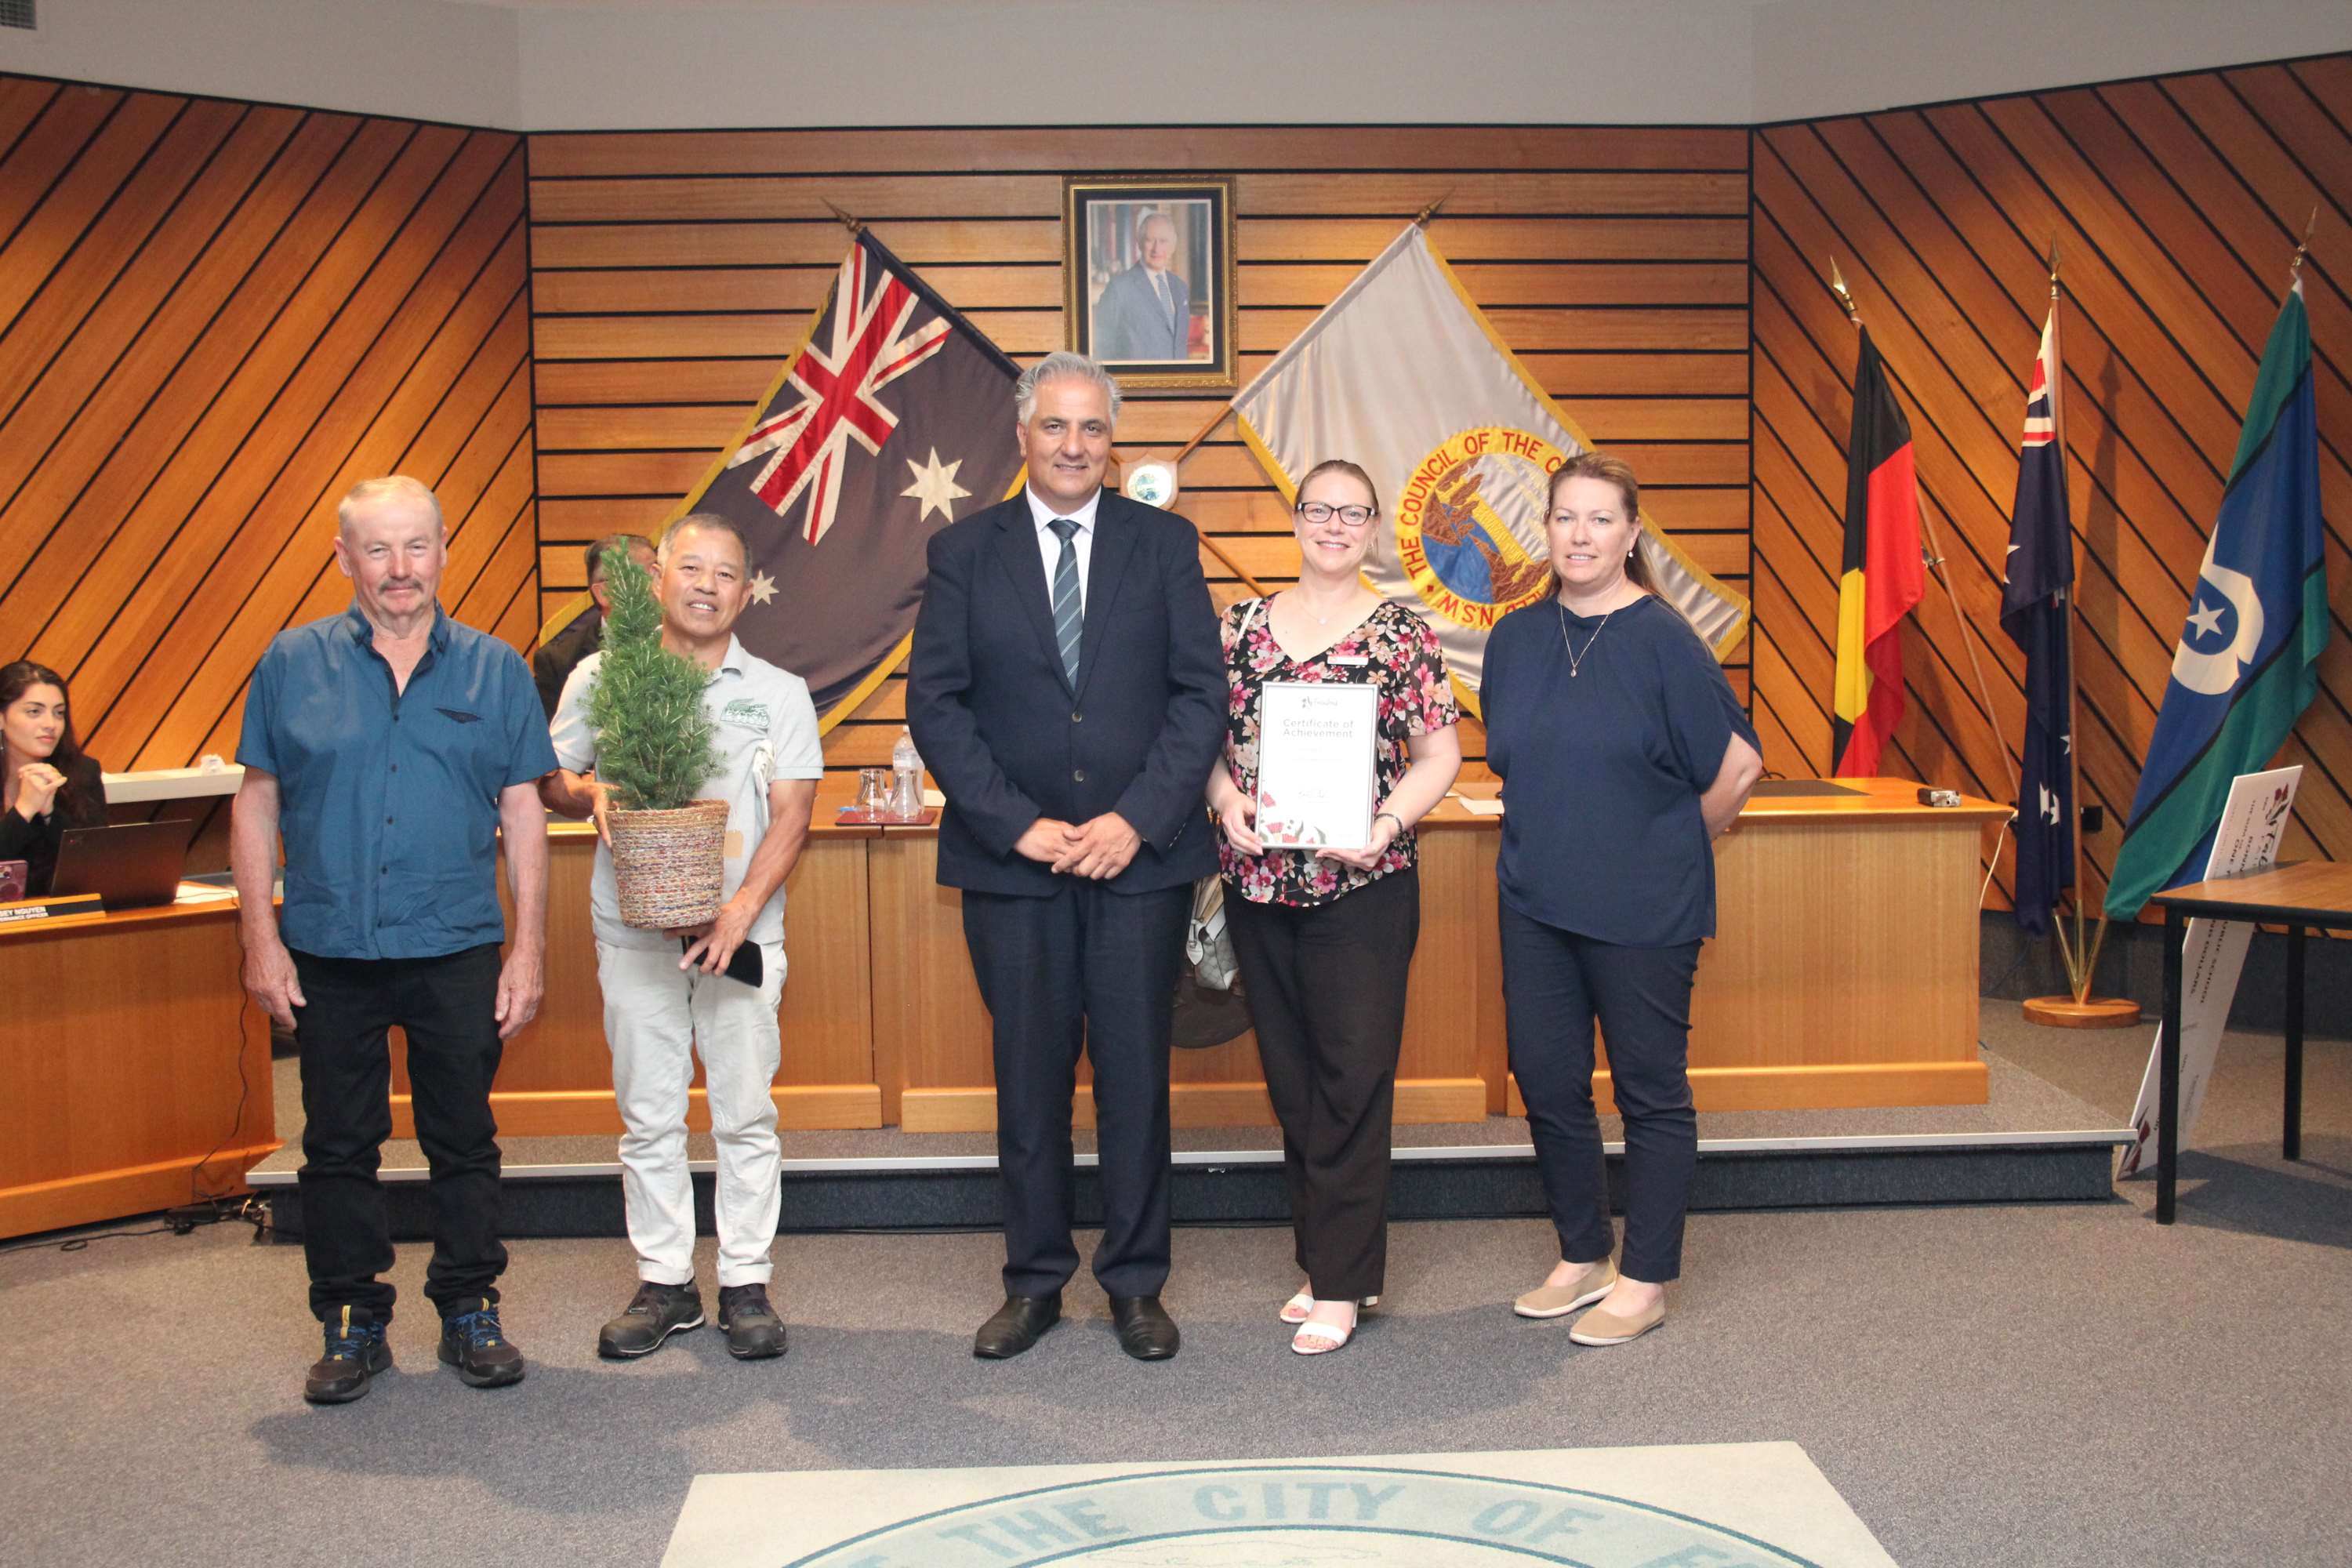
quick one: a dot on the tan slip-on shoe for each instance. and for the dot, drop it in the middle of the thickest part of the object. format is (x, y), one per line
(1599, 1328)
(1559, 1301)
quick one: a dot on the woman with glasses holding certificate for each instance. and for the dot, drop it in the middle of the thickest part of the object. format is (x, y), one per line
(1339, 737)
(1614, 790)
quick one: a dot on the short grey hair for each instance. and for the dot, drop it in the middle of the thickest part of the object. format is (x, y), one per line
(392, 487)
(1061, 362)
(708, 521)
(1162, 214)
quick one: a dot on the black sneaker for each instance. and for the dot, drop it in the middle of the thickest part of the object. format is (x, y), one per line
(476, 1345)
(655, 1314)
(356, 1351)
(754, 1332)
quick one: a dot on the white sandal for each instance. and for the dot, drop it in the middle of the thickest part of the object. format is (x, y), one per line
(1320, 1339)
(1293, 1311)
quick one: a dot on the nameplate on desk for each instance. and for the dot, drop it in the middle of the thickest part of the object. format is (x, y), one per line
(49, 909)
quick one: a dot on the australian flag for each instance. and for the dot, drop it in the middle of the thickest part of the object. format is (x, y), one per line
(892, 419)
(2035, 586)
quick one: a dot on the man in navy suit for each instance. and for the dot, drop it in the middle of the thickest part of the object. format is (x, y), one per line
(1067, 691)
(1145, 312)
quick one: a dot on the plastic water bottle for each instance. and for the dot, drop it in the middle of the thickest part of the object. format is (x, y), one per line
(905, 778)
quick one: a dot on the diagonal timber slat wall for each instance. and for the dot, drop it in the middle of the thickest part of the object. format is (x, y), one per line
(2175, 203)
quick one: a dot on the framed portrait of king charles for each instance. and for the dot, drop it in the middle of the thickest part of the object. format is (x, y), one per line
(1148, 277)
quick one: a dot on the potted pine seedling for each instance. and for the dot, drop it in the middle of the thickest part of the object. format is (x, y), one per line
(654, 749)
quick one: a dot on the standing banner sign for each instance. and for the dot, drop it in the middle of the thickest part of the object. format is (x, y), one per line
(2213, 953)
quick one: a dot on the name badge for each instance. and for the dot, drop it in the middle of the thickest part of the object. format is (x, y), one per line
(1350, 658)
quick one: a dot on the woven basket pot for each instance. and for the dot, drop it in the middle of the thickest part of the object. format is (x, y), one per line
(669, 865)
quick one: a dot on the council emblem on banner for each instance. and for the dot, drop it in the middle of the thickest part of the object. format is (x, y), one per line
(1403, 374)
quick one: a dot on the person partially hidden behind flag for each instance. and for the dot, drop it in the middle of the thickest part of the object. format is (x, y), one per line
(557, 658)
(662, 1009)
(1613, 789)
(1145, 314)
(1066, 692)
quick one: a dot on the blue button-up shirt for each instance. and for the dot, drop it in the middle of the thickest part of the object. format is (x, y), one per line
(388, 800)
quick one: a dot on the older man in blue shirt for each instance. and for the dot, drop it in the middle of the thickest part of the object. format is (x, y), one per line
(391, 748)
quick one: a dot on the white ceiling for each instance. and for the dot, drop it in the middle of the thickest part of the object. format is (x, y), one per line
(627, 64)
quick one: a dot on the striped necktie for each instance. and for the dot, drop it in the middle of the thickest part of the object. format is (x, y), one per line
(1069, 608)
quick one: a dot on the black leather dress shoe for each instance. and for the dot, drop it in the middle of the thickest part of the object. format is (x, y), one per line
(1146, 1331)
(1016, 1325)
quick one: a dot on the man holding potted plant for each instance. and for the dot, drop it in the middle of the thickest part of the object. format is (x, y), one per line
(630, 741)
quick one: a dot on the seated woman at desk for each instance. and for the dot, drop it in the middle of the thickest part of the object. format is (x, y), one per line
(46, 785)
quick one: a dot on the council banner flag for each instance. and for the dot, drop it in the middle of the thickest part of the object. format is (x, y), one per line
(893, 418)
(2035, 587)
(1403, 374)
(2246, 665)
(1883, 575)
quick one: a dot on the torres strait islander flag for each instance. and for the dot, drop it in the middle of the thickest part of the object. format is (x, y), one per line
(2036, 584)
(892, 420)
(2246, 666)
(1883, 574)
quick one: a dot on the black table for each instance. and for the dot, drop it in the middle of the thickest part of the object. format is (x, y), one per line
(2311, 893)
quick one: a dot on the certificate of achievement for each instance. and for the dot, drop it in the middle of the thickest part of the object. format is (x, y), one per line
(1315, 778)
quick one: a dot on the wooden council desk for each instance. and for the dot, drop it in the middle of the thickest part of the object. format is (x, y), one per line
(122, 1039)
(1844, 974)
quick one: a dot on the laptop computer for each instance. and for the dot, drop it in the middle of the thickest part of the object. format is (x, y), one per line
(128, 866)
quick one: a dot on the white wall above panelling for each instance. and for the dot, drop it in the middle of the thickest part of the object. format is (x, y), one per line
(1816, 58)
(1084, 62)
(632, 64)
(427, 59)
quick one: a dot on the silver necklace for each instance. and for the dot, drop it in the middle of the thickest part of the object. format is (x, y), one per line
(1575, 659)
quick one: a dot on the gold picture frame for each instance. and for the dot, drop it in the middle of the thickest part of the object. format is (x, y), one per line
(1148, 277)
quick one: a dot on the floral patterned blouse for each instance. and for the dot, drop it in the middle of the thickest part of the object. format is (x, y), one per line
(1393, 648)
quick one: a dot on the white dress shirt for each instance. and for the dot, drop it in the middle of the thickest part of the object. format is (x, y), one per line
(1049, 543)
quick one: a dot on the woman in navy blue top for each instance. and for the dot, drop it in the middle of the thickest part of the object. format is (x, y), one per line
(1623, 753)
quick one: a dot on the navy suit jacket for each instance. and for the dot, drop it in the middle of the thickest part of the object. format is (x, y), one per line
(1131, 324)
(1007, 738)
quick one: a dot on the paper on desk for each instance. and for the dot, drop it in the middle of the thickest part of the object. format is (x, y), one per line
(1478, 805)
(203, 893)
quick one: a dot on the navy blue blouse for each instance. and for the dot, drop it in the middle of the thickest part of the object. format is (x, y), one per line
(1602, 773)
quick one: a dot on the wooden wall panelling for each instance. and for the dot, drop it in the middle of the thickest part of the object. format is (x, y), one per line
(671, 271)
(214, 317)
(2177, 201)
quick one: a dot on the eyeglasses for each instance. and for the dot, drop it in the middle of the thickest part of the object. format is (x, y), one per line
(1318, 512)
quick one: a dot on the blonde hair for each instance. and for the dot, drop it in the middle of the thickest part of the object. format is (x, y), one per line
(392, 487)
(1341, 466)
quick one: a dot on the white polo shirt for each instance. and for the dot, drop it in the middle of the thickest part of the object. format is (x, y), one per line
(765, 730)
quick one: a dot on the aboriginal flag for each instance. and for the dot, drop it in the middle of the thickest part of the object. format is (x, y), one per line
(892, 419)
(1883, 574)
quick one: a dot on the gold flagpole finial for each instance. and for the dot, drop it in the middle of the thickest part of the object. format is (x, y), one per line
(1421, 219)
(2294, 268)
(1844, 295)
(847, 222)
(2053, 264)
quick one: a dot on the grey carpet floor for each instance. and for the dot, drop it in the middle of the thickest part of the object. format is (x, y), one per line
(2066, 1386)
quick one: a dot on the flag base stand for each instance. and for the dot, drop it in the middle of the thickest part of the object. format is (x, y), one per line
(2089, 1012)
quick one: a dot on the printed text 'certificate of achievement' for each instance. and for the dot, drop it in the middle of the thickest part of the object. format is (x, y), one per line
(1315, 764)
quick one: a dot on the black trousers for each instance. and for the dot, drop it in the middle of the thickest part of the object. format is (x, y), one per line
(447, 1007)
(1555, 983)
(1325, 989)
(1082, 967)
